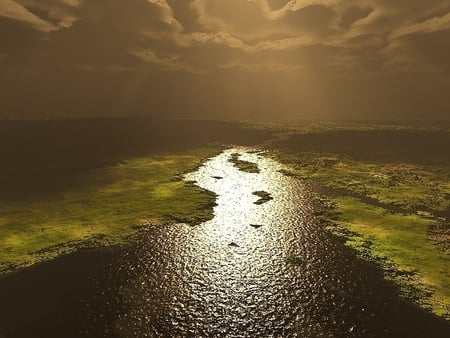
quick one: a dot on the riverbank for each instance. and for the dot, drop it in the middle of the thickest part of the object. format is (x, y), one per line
(394, 212)
(71, 184)
(179, 280)
(104, 206)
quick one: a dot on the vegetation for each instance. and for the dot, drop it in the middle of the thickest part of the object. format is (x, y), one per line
(394, 212)
(388, 188)
(264, 197)
(409, 186)
(400, 241)
(246, 166)
(67, 184)
(308, 127)
(102, 206)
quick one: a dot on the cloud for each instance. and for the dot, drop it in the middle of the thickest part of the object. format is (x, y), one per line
(144, 51)
(170, 63)
(256, 20)
(428, 26)
(13, 10)
(262, 67)
(226, 39)
(251, 26)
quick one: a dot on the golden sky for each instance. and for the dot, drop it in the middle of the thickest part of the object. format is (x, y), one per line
(246, 59)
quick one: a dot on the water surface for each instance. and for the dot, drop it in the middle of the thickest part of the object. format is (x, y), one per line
(233, 275)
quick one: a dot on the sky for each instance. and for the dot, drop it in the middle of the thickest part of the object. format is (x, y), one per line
(226, 59)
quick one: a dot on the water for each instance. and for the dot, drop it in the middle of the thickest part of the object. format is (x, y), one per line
(232, 276)
(228, 278)
(225, 276)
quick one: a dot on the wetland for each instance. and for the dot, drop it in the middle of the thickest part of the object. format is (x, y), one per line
(207, 238)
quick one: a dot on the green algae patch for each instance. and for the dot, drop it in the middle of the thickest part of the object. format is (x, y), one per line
(400, 240)
(248, 167)
(103, 206)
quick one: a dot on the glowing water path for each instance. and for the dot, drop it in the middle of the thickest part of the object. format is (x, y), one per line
(231, 277)
(255, 270)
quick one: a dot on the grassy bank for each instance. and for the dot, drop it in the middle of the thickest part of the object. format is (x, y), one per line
(392, 212)
(400, 243)
(102, 206)
(410, 186)
(74, 183)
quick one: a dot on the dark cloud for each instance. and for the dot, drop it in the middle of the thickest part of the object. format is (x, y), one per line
(186, 14)
(311, 19)
(353, 14)
(215, 58)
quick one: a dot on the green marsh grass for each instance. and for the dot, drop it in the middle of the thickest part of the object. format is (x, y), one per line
(401, 240)
(103, 206)
(395, 224)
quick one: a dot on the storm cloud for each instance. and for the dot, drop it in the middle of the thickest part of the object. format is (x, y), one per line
(241, 59)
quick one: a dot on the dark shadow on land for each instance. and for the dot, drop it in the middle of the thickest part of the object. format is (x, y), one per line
(39, 157)
(422, 147)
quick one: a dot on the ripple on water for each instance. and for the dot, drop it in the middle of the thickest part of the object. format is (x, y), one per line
(231, 276)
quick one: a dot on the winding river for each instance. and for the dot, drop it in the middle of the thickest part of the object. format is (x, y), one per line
(264, 269)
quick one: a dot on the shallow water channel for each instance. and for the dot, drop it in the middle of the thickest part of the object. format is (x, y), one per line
(264, 269)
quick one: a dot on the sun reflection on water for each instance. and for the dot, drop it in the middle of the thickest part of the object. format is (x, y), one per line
(236, 210)
(239, 249)
(229, 276)
(254, 270)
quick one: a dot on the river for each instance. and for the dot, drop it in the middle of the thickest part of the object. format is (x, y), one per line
(264, 269)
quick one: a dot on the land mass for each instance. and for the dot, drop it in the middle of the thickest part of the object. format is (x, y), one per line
(387, 192)
(94, 183)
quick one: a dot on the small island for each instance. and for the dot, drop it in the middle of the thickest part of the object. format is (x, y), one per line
(248, 167)
(264, 197)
